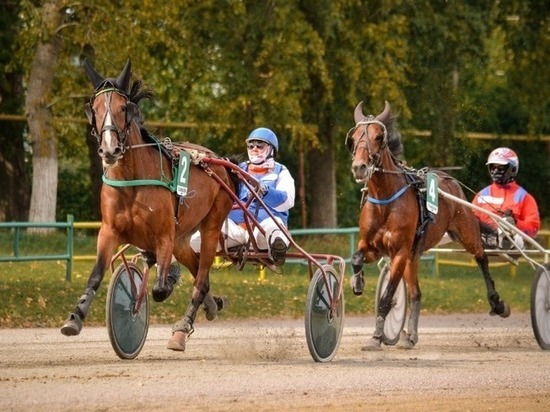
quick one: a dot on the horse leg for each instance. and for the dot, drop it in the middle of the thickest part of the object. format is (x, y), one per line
(357, 280)
(385, 304)
(469, 236)
(165, 281)
(183, 329)
(384, 307)
(168, 270)
(498, 307)
(408, 340)
(106, 244)
(212, 304)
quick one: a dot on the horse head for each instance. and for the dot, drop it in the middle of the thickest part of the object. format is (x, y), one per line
(110, 112)
(366, 141)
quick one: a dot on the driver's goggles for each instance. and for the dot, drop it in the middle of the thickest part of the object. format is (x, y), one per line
(256, 143)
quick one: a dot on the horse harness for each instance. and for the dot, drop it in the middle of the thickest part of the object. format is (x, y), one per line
(416, 179)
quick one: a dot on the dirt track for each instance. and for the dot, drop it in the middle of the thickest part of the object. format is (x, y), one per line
(462, 362)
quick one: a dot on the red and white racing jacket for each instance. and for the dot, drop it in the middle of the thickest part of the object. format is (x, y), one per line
(500, 199)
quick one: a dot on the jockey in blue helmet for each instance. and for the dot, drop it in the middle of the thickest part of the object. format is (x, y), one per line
(277, 191)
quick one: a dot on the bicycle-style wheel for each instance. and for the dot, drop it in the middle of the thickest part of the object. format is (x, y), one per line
(323, 327)
(127, 328)
(395, 321)
(540, 306)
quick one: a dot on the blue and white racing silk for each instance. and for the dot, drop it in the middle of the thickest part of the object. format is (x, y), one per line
(279, 197)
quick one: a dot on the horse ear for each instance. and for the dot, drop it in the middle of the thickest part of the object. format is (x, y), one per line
(385, 115)
(89, 113)
(123, 81)
(358, 113)
(94, 76)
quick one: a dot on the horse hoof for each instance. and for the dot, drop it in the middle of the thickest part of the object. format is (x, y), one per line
(160, 294)
(161, 291)
(372, 345)
(177, 341)
(210, 307)
(405, 341)
(72, 326)
(504, 313)
(220, 302)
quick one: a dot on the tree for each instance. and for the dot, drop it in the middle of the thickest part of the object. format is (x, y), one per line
(444, 38)
(297, 67)
(39, 114)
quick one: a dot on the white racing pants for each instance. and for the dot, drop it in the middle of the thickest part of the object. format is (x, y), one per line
(236, 235)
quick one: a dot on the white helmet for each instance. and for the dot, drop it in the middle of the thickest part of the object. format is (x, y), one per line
(503, 156)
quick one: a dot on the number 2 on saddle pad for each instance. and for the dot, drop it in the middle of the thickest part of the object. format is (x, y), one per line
(183, 173)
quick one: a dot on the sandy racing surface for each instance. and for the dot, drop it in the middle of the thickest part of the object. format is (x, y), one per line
(462, 362)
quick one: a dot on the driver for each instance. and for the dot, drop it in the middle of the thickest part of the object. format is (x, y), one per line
(277, 191)
(506, 198)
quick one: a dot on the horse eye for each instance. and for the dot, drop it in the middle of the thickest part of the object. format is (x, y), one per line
(379, 136)
(349, 144)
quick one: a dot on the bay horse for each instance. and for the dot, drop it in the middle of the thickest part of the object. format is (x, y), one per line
(139, 207)
(394, 222)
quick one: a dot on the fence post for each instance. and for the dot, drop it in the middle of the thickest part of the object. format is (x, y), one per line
(70, 247)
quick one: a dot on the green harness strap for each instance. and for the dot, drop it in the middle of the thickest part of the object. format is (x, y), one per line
(171, 186)
(139, 182)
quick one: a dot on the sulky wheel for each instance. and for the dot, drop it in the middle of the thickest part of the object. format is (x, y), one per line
(127, 328)
(323, 326)
(540, 306)
(395, 321)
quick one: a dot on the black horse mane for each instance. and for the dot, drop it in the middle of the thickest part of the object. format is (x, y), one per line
(138, 91)
(395, 143)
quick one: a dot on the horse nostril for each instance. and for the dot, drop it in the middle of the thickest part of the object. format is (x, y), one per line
(117, 152)
(359, 167)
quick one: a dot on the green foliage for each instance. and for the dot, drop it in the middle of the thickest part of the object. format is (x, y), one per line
(301, 67)
(74, 192)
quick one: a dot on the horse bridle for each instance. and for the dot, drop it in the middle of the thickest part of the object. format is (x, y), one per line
(374, 158)
(122, 135)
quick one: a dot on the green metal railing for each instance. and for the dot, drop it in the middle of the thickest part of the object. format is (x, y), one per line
(70, 225)
(17, 256)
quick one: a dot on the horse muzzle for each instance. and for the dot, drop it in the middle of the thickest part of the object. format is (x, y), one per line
(362, 172)
(110, 158)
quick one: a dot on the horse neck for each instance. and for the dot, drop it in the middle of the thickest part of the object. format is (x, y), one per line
(139, 161)
(389, 180)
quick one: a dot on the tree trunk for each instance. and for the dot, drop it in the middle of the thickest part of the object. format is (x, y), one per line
(322, 188)
(39, 117)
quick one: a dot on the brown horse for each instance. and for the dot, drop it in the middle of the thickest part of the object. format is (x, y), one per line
(394, 221)
(139, 206)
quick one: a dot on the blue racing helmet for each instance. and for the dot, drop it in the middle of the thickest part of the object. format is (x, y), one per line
(265, 135)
